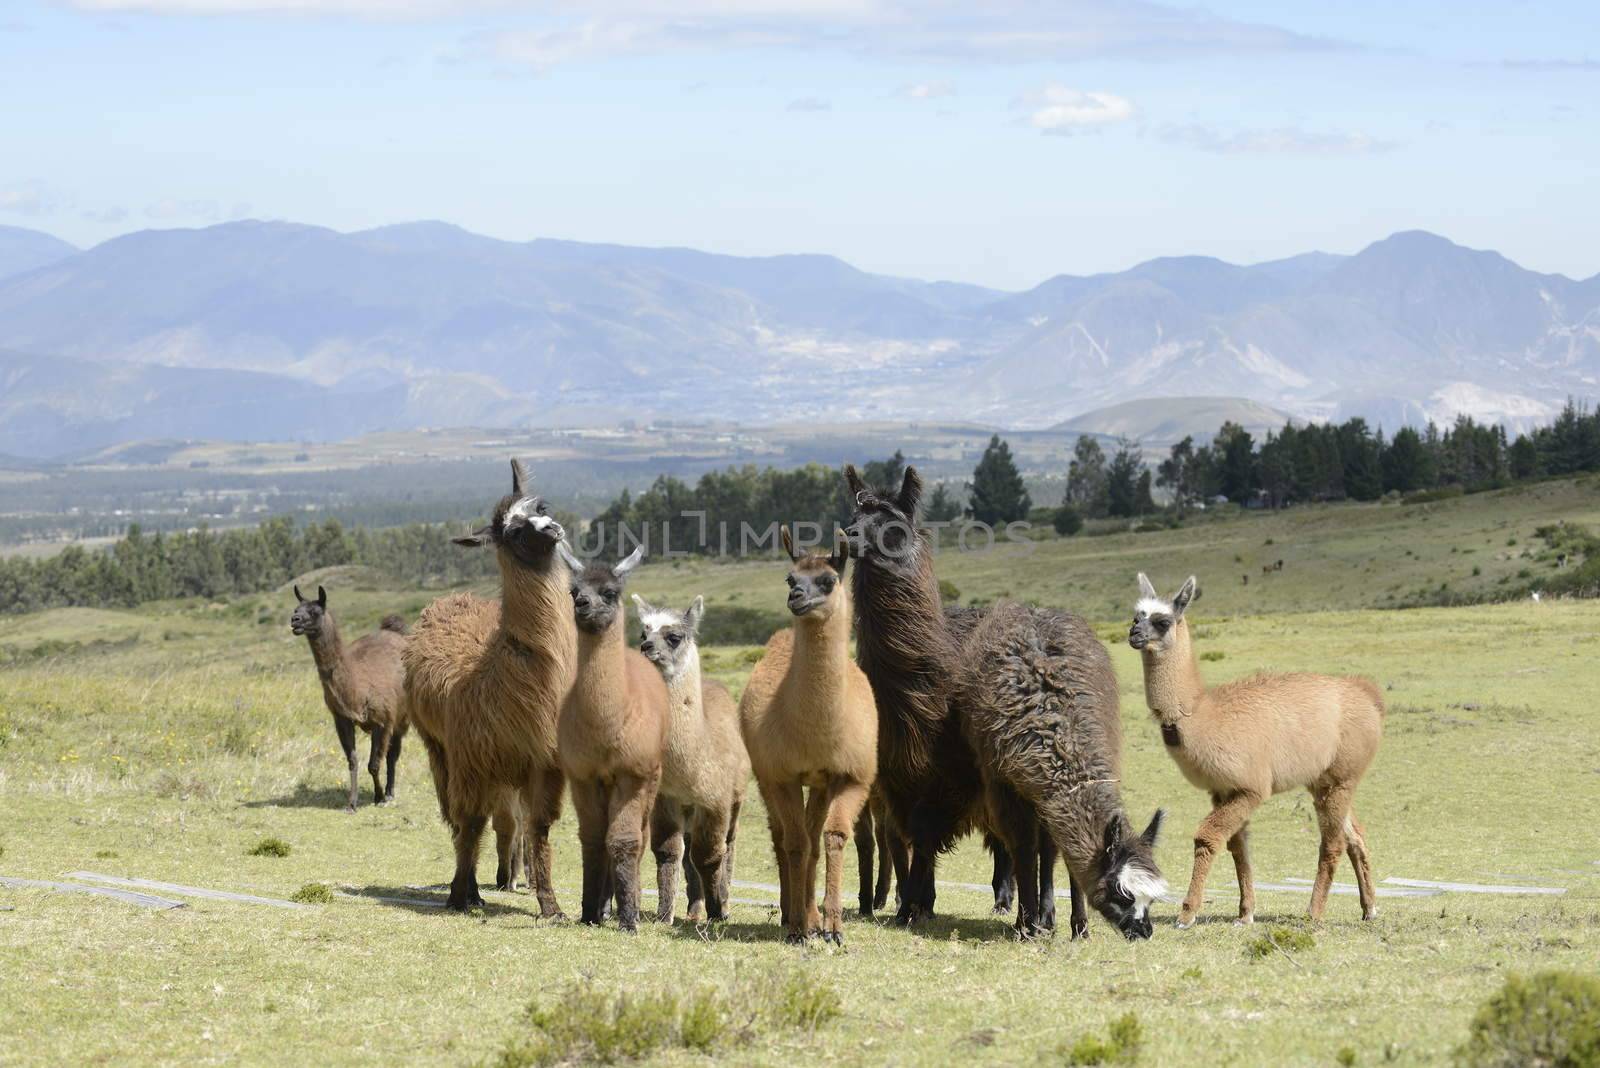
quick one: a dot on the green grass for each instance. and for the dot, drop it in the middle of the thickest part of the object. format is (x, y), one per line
(169, 756)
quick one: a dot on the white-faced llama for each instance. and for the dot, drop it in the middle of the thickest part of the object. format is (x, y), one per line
(703, 770)
(363, 685)
(1246, 740)
(484, 684)
(809, 722)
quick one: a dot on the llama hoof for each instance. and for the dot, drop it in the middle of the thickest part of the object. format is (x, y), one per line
(1370, 914)
(794, 938)
(1001, 908)
(1080, 932)
(1185, 922)
(835, 938)
(349, 810)
(1245, 921)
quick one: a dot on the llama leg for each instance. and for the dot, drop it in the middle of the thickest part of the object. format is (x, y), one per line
(881, 831)
(1332, 806)
(1014, 834)
(627, 810)
(1047, 880)
(506, 837)
(542, 807)
(666, 843)
(1239, 846)
(392, 758)
(375, 754)
(709, 855)
(846, 800)
(1004, 880)
(816, 815)
(694, 887)
(787, 809)
(347, 742)
(464, 887)
(1080, 912)
(900, 860)
(1211, 837)
(916, 901)
(589, 802)
(725, 872)
(866, 847)
(1356, 845)
(441, 775)
(779, 856)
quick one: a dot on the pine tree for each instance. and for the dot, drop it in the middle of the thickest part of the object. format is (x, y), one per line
(942, 507)
(998, 493)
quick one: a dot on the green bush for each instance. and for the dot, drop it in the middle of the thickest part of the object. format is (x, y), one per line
(1284, 939)
(1551, 1019)
(313, 894)
(269, 847)
(1067, 521)
(949, 592)
(1124, 1038)
(727, 624)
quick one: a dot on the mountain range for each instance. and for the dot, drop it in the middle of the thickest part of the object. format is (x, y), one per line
(267, 329)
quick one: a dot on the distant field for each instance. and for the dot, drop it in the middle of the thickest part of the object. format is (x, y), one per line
(163, 743)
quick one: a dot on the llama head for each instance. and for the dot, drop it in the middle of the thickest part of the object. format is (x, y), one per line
(883, 523)
(1129, 879)
(522, 524)
(667, 638)
(307, 617)
(1157, 620)
(597, 588)
(816, 580)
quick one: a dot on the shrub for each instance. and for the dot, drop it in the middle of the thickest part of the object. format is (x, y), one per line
(1213, 654)
(313, 894)
(1067, 521)
(949, 592)
(1552, 1019)
(269, 847)
(796, 999)
(728, 624)
(1124, 1037)
(1346, 1056)
(1284, 939)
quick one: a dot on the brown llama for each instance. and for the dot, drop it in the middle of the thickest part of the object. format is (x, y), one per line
(704, 769)
(910, 648)
(363, 685)
(809, 721)
(1246, 740)
(613, 733)
(484, 683)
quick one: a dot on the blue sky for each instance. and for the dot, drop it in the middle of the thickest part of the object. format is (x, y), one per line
(998, 143)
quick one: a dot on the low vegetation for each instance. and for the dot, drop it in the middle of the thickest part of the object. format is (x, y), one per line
(269, 847)
(1551, 1020)
(1121, 1045)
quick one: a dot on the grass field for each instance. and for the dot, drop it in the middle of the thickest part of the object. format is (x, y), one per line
(165, 743)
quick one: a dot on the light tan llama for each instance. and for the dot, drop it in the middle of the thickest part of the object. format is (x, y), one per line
(1246, 740)
(611, 736)
(809, 721)
(704, 770)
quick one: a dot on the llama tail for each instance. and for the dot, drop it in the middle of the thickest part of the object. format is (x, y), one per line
(394, 623)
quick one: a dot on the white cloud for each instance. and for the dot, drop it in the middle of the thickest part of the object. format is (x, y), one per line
(113, 214)
(27, 198)
(810, 103)
(1055, 109)
(1283, 140)
(1548, 66)
(172, 210)
(928, 90)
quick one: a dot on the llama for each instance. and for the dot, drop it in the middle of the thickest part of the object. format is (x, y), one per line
(809, 720)
(910, 649)
(703, 770)
(612, 737)
(363, 685)
(876, 840)
(484, 683)
(1243, 741)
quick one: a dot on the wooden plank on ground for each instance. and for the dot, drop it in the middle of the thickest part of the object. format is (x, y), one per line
(148, 901)
(184, 891)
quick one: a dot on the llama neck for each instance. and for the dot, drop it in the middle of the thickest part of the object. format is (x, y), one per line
(1079, 827)
(602, 671)
(822, 651)
(327, 648)
(683, 687)
(536, 605)
(901, 622)
(1172, 683)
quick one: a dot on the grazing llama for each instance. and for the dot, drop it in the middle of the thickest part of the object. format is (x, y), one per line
(484, 683)
(703, 770)
(809, 722)
(613, 733)
(911, 649)
(1246, 740)
(363, 686)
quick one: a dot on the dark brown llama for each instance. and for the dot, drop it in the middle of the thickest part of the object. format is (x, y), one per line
(363, 685)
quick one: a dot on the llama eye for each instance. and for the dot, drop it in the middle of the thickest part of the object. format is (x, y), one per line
(673, 640)
(825, 584)
(610, 596)
(1162, 625)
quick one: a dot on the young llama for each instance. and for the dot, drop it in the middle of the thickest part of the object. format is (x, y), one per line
(1246, 740)
(809, 720)
(703, 770)
(612, 736)
(363, 685)
(484, 685)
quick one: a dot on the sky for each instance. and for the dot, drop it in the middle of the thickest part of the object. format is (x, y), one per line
(999, 143)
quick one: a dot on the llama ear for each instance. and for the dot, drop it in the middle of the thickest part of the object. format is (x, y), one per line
(910, 493)
(519, 477)
(1181, 599)
(696, 612)
(1148, 837)
(641, 606)
(298, 595)
(322, 597)
(477, 539)
(853, 480)
(788, 543)
(841, 552)
(630, 562)
(1147, 588)
(573, 563)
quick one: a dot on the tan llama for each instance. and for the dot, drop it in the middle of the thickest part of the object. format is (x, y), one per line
(809, 720)
(1246, 740)
(611, 737)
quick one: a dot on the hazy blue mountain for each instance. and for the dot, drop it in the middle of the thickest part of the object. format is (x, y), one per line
(428, 324)
(23, 250)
